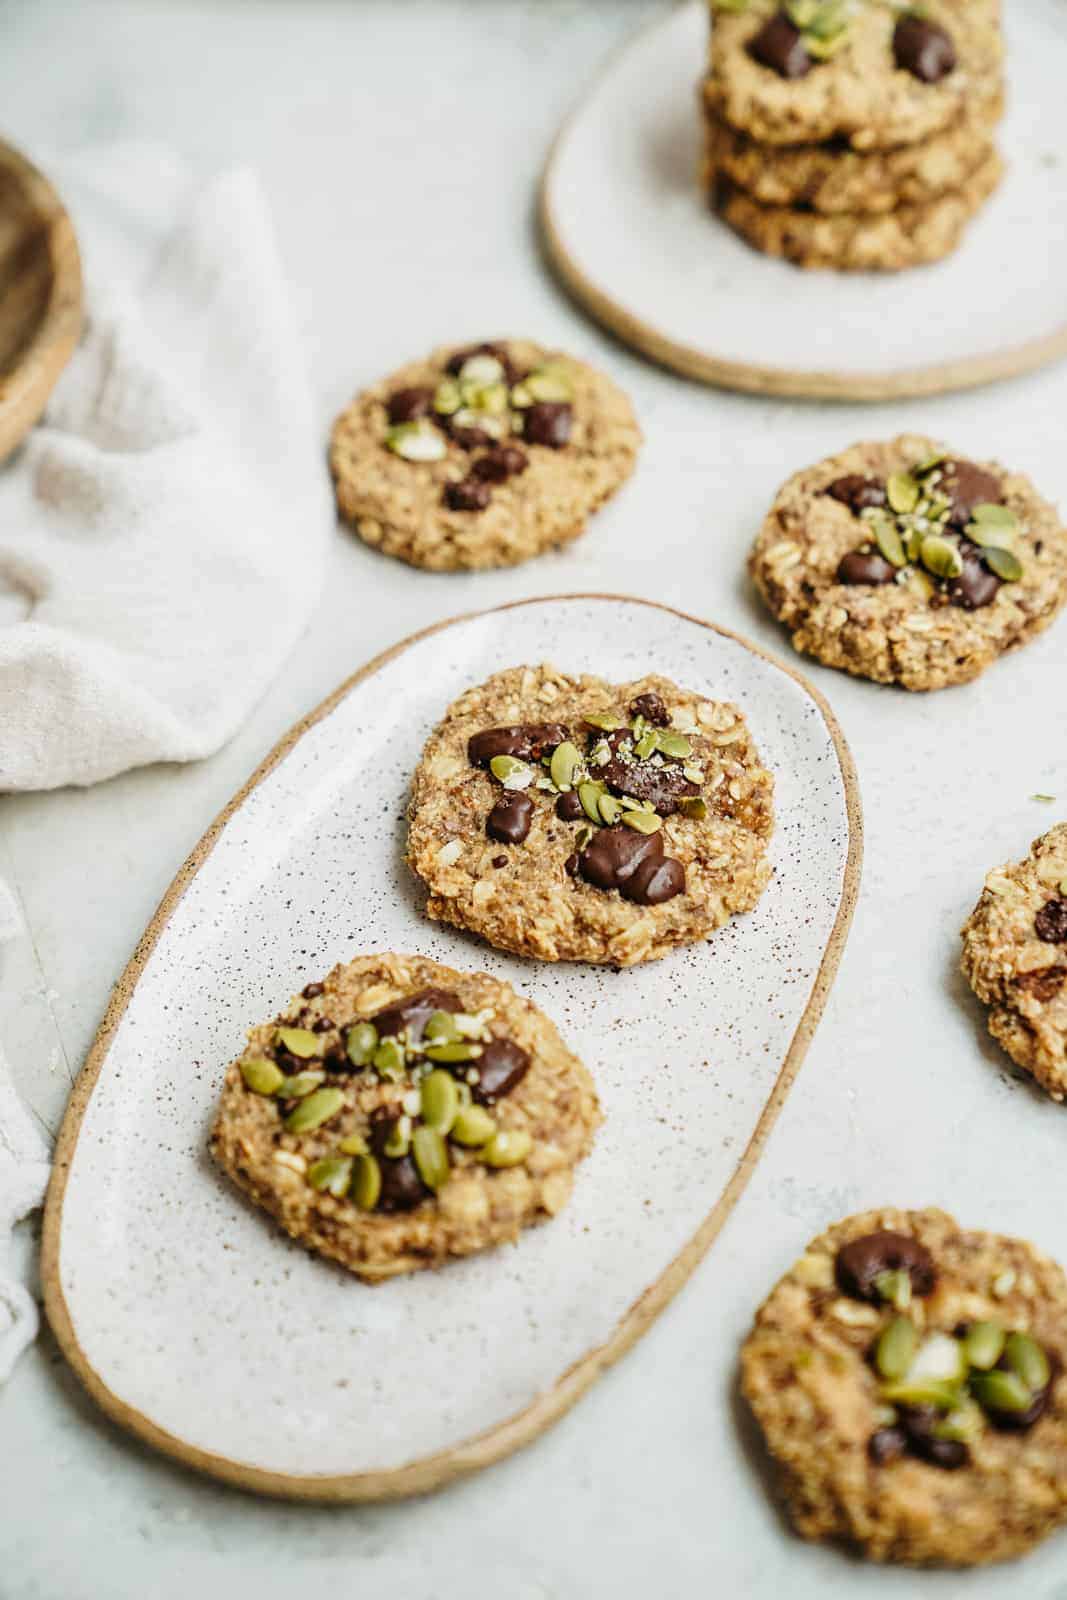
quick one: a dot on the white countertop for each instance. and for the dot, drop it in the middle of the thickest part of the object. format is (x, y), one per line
(399, 144)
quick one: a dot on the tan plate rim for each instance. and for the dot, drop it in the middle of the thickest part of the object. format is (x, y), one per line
(904, 383)
(24, 391)
(481, 1450)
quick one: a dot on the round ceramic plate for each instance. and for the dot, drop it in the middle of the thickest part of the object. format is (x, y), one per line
(631, 235)
(194, 1321)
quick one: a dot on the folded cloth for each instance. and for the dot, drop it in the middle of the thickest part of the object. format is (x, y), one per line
(163, 532)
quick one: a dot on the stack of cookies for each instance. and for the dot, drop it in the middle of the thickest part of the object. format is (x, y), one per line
(853, 134)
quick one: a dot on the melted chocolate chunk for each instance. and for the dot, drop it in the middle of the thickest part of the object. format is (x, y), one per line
(402, 1188)
(1050, 924)
(651, 707)
(865, 566)
(571, 865)
(526, 740)
(311, 991)
(887, 1445)
(1019, 1421)
(918, 1424)
(923, 49)
(414, 1011)
(661, 785)
(857, 492)
(501, 1065)
(634, 863)
(510, 819)
(458, 361)
(569, 808)
(780, 46)
(503, 461)
(548, 422)
(860, 1262)
(469, 494)
(322, 1025)
(976, 586)
(967, 486)
(406, 405)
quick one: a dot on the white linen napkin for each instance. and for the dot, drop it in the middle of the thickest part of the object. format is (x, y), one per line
(163, 532)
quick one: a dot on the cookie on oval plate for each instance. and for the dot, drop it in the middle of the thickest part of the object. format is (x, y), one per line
(909, 1380)
(571, 819)
(400, 1114)
(481, 456)
(1015, 959)
(864, 74)
(908, 563)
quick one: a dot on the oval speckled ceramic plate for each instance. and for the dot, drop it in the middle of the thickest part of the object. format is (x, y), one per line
(631, 236)
(196, 1323)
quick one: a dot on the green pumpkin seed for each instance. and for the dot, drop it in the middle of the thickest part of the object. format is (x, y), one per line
(366, 1182)
(605, 722)
(590, 795)
(584, 836)
(889, 543)
(447, 397)
(895, 1287)
(1026, 1357)
(353, 1144)
(262, 1076)
(896, 1348)
(459, 1050)
(1001, 1391)
(1063, 886)
(902, 492)
(824, 48)
(610, 809)
(441, 1028)
(389, 1059)
(416, 441)
(643, 821)
(566, 759)
(397, 1141)
(300, 1042)
(361, 1042)
(965, 1423)
(507, 1147)
(511, 772)
(463, 1094)
(991, 516)
(521, 396)
(548, 386)
(941, 557)
(439, 1100)
(474, 1126)
(913, 544)
(647, 745)
(299, 1085)
(492, 398)
(693, 807)
(928, 464)
(989, 537)
(317, 1109)
(1007, 566)
(431, 1157)
(923, 1392)
(982, 1345)
(674, 744)
(332, 1174)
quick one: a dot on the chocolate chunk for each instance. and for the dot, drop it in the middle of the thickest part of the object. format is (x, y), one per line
(503, 461)
(311, 991)
(402, 1188)
(887, 1445)
(569, 808)
(1044, 985)
(526, 740)
(967, 486)
(857, 492)
(406, 405)
(1050, 923)
(779, 45)
(621, 858)
(863, 1260)
(548, 422)
(918, 1424)
(509, 821)
(976, 586)
(651, 707)
(414, 1011)
(662, 784)
(572, 865)
(500, 351)
(865, 566)
(469, 494)
(923, 49)
(322, 1025)
(500, 861)
(1019, 1421)
(466, 437)
(501, 1065)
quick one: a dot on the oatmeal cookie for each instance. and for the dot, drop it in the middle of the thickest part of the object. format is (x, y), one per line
(910, 236)
(908, 1378)
(870, 76)
(1015, 959)
(563, 817)
(399, 1114)
(834, 178)
(481, 456)
(907, 564)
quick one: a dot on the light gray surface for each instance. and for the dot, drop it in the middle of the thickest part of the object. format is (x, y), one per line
(399, 144)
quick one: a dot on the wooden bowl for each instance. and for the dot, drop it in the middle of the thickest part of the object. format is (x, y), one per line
(40, 295)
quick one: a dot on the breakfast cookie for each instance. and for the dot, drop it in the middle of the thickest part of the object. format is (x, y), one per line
(909, 236)
(831, 178)
(563, 817)
(908, 1378)
(482, 456)
(1015, 959)
(907, 564)
(399, 1114)
(813, 70)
